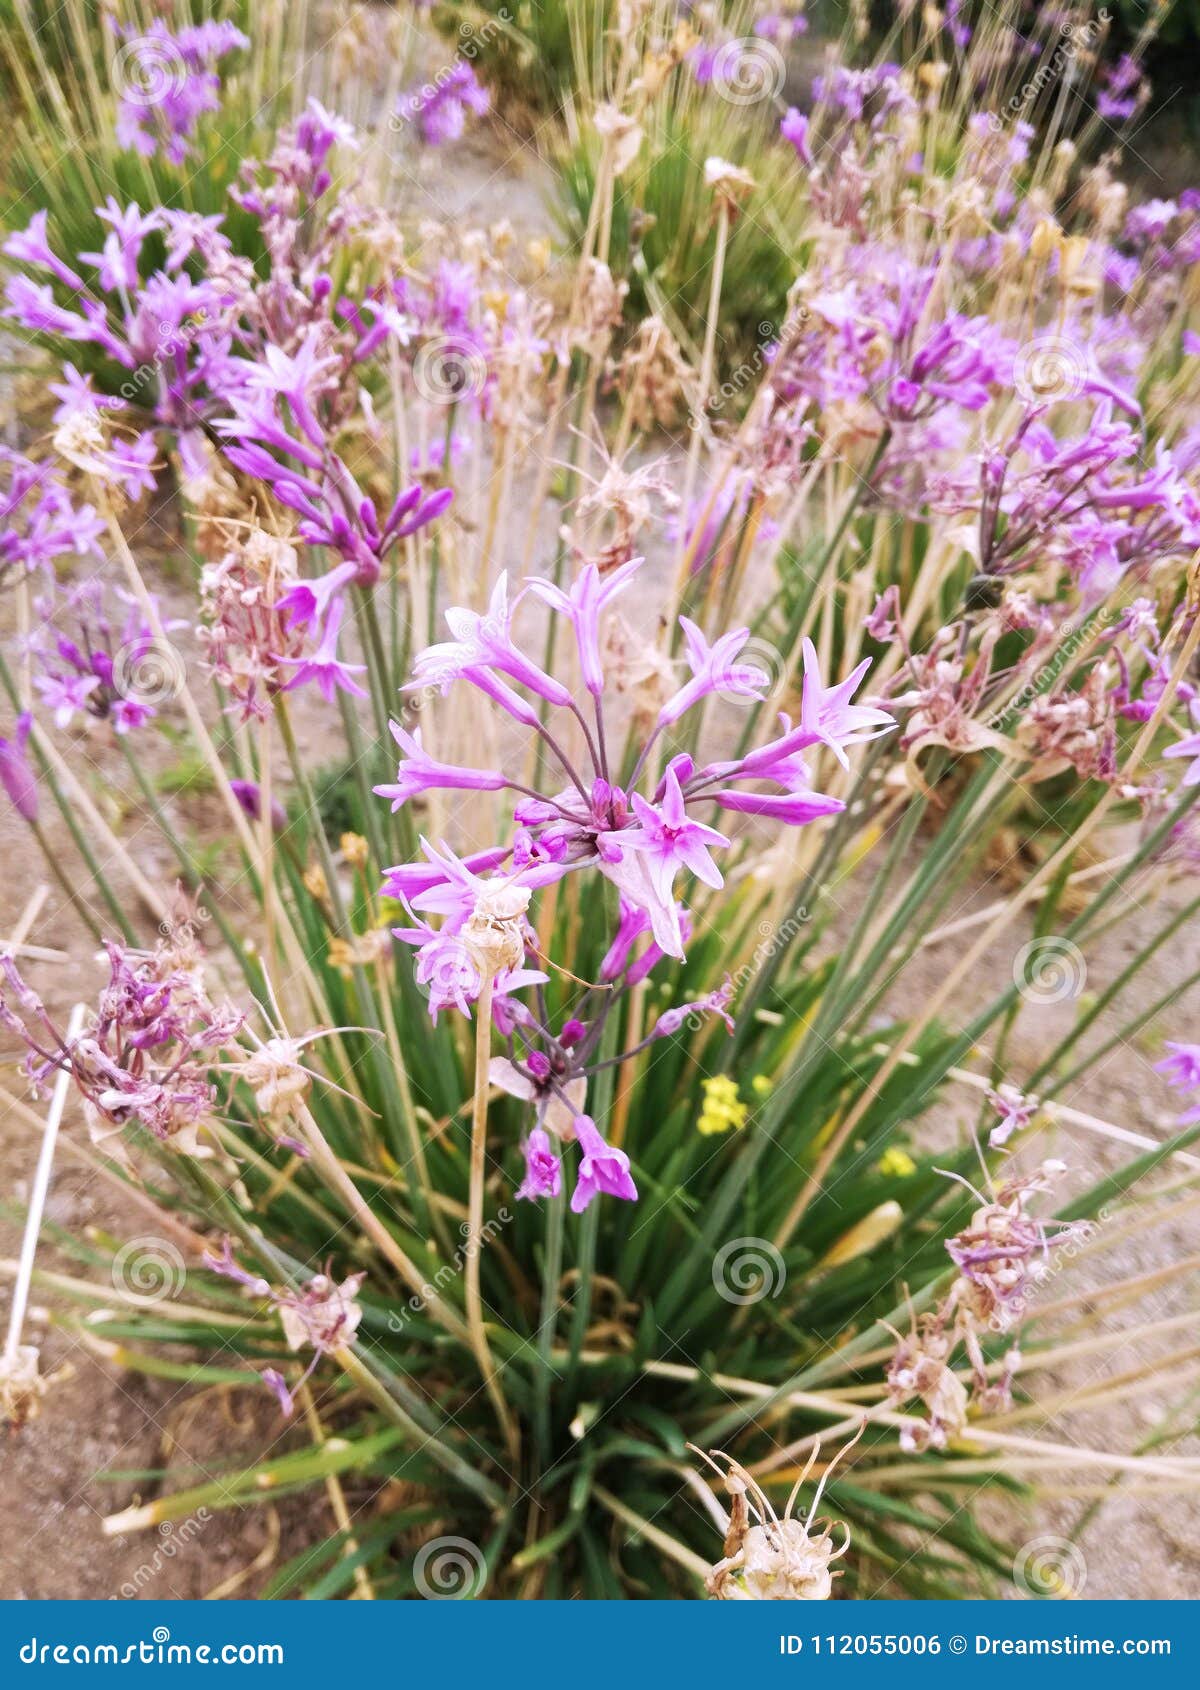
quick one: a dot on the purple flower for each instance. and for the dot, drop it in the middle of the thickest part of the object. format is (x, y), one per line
(713, 669)
(484, 641)
(1182, 1066)
(713, 1003)
(1188, 746)
(543, 1170)
(827, 713)
(16, 776)
(118, 261)
(664, 842)
(419, 773)
(797, 809)
(590, 594)
(324, 668)
(249, 795)
(31, 246)
(308, 603)
(602, 1170)
(794, 128)
(440, 107)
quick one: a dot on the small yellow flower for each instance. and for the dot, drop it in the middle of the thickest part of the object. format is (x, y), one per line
(761, 1084)
(722, 1107)
(896, 1162)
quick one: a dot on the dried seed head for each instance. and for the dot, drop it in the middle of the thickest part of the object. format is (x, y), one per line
(324, 1315)
(494, 935)
(277, 1079)
(21, 1386)
(773, 1559)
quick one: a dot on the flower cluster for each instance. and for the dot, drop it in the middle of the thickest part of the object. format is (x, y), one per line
(1002, 1255)
(39, 521)
(147, 1052)
(592, 819)
(170, 80)
(323, 1317)
(94, 654)
(440, 108)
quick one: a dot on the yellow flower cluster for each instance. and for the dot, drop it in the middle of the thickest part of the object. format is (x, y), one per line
(897, 1162)
(722, 1107)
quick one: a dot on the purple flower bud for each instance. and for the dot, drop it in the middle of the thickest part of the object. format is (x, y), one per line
(543, 1170)
(16, 776)
(249, 795)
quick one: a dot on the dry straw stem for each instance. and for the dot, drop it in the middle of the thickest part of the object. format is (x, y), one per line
(1054, 1112)
(988, 1437)
(373, 1227)
(150, 896)
(337, 1496)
